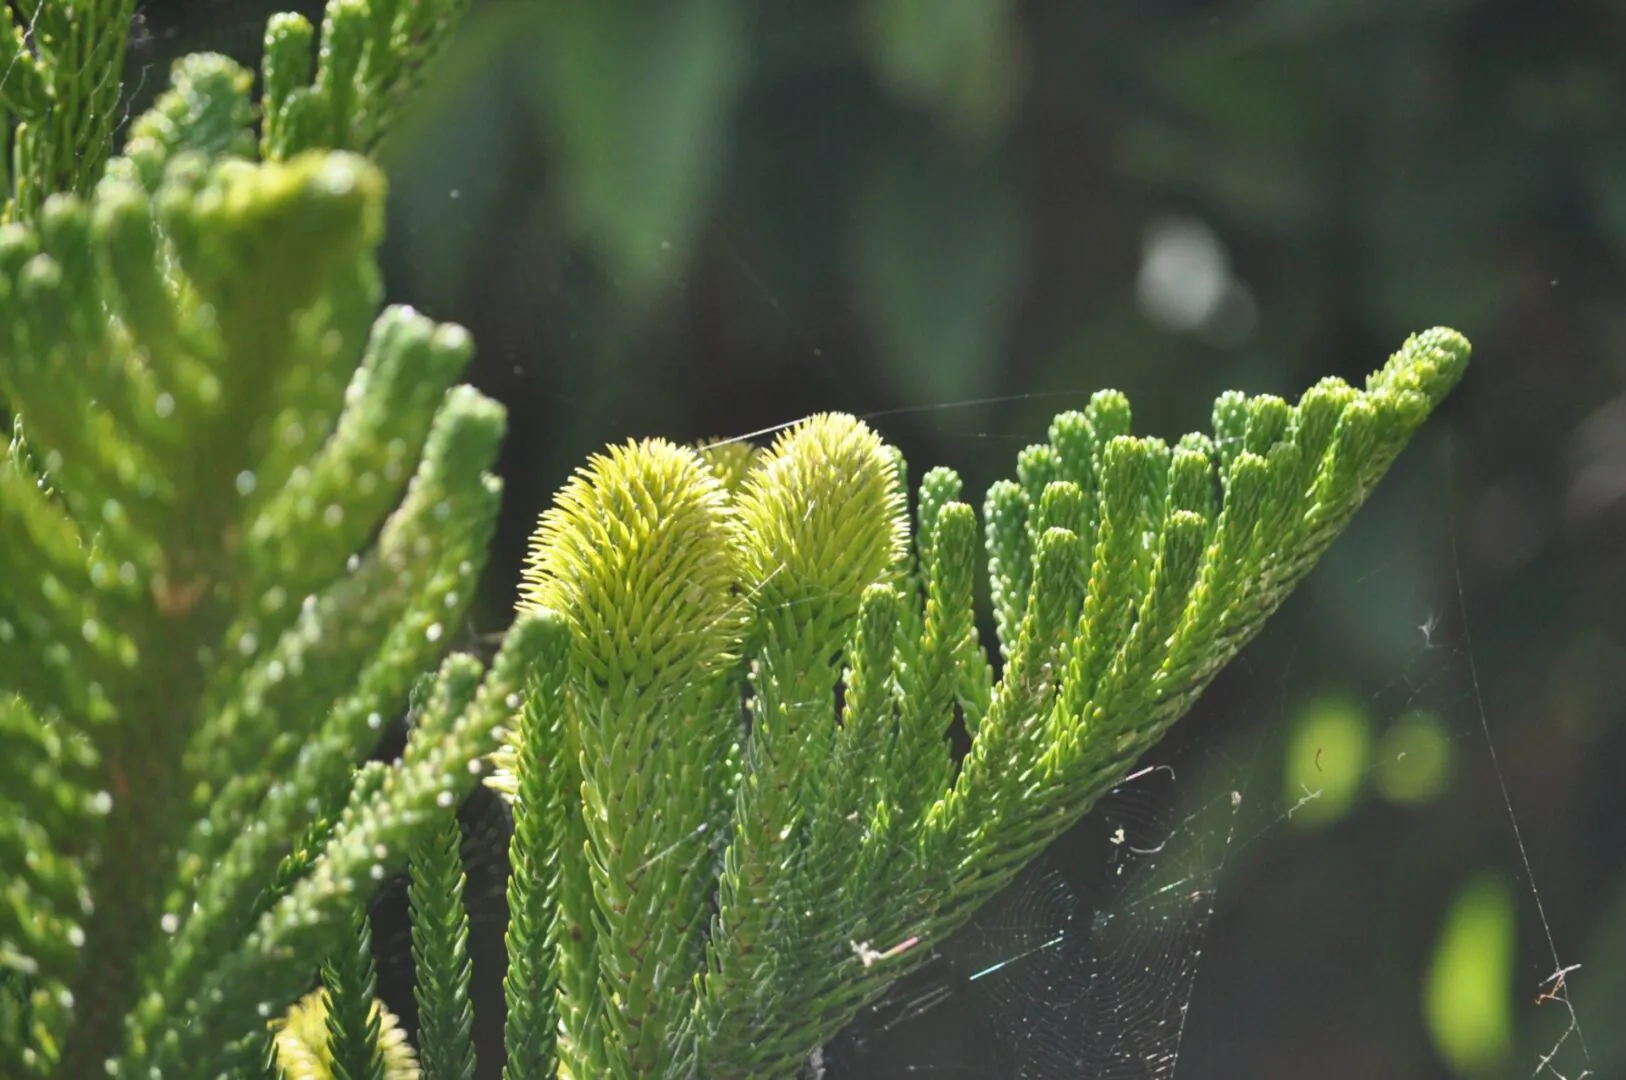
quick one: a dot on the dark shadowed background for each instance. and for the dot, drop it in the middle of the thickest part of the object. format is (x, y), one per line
(958, 217)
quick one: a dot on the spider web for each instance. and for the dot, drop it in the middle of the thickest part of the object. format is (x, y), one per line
(1085, 965)
(1101, 985)
(1091, 965)
(1099, 979)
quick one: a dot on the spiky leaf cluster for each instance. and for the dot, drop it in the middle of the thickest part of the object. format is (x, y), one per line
(246, 515)
(304, 1049)
(440, 956)
(826, 825)
(342, 90)
(60, 66)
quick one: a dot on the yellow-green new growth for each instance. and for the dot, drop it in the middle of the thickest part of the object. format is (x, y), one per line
(302, 1041)
(1125, 573)
(821, 519)
(640, 555)
(638, 507)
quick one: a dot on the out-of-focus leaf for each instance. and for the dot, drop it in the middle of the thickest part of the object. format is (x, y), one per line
(962, 57)
(1605, 981)
(1416, 758)
(635, 100)
(1466, 999)
(937, 255)
(1326, 761)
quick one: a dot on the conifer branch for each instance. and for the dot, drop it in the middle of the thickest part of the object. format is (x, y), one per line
(1125, 573)
(351, 1017)
(240, 512)
(60, 71)
(371, 55)
(303, 1042)
(192, 601)
(440, 956)
(544, 949)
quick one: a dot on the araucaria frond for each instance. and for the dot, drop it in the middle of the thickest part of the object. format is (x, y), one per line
(246, 516)
(241, 512)
(830, 830)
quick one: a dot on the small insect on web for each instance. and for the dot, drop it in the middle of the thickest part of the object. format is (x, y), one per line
(1085, 967)
(1107, 992)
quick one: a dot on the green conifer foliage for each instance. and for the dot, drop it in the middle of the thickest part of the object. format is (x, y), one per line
(304, 1042)
(58, 98)
(241, 511)
(836, 832)
(351, 1015)
(440, 956)
(371, 54)
(246, 515)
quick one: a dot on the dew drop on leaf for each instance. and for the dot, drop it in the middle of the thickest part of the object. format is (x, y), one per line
(245, 483)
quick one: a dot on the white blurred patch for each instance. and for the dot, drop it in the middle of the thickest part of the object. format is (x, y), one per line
(1511, 525)
(1597, 466)
(1185, 283)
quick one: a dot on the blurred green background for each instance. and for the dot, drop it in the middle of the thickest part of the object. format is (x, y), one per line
(958, 217)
